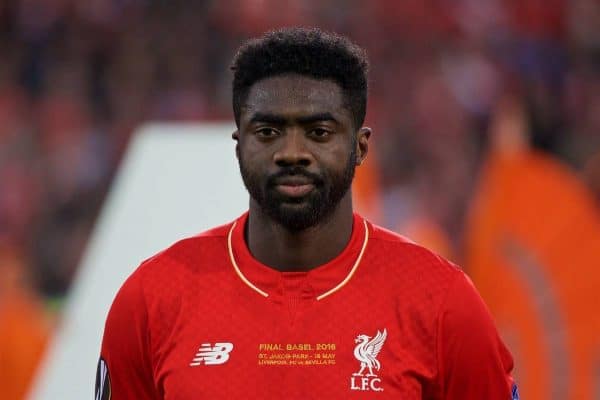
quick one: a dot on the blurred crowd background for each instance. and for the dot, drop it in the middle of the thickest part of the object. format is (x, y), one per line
(451, 82)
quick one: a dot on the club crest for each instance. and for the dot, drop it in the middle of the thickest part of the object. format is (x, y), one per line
(366, 351)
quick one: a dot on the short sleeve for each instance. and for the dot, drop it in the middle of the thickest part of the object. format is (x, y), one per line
(473, 361)
(125, 366)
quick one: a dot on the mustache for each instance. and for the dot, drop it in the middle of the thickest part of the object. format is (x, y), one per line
(316, 179)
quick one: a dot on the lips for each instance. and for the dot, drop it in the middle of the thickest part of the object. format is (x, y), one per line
(294, 186)
(295, 190)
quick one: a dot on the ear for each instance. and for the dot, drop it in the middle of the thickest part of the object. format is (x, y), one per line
(236, 136)
(362, 144)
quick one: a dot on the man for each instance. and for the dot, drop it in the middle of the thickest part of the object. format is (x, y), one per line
(300, 298)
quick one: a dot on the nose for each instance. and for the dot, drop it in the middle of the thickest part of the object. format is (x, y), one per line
(292, 150)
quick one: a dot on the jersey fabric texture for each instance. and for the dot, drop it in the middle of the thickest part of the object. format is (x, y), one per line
(385, 319)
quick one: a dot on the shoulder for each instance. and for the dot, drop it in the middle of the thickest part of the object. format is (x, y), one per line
(164, 273)
(410, 275)
(403, 256)
(191, 252)
(437, 286)
(158, 284)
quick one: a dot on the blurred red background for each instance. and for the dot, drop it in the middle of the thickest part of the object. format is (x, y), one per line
(470, 100)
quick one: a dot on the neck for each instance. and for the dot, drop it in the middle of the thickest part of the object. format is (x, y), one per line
(284, 250)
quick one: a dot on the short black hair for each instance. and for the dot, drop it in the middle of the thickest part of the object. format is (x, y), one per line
(304, 51)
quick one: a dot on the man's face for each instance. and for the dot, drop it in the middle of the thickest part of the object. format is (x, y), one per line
(297, 148)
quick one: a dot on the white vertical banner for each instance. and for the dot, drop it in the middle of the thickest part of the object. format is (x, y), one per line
(176, 180)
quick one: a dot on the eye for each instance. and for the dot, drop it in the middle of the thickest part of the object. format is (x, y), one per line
(320, 133)
(266, 132)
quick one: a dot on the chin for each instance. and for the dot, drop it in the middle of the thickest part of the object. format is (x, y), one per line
(296, 217)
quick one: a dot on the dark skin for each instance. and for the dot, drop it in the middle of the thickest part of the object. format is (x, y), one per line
(294, 120)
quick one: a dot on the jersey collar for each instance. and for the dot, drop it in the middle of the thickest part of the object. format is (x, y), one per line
(318, 283)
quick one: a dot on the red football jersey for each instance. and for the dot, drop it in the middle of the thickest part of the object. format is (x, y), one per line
(385, 319)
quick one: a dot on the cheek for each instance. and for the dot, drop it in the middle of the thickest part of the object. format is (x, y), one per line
(337, 160)
(247, 155)
(255, 153)
(253, 169)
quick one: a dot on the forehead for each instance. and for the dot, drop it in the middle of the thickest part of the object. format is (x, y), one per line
(295, 94)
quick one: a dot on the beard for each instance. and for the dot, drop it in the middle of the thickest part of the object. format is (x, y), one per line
(299, 213)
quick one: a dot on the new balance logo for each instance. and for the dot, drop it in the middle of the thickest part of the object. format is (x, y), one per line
(212, 355)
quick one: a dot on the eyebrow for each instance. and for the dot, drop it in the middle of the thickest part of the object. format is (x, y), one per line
(277, 119)
(268, 118)
(317, 118)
